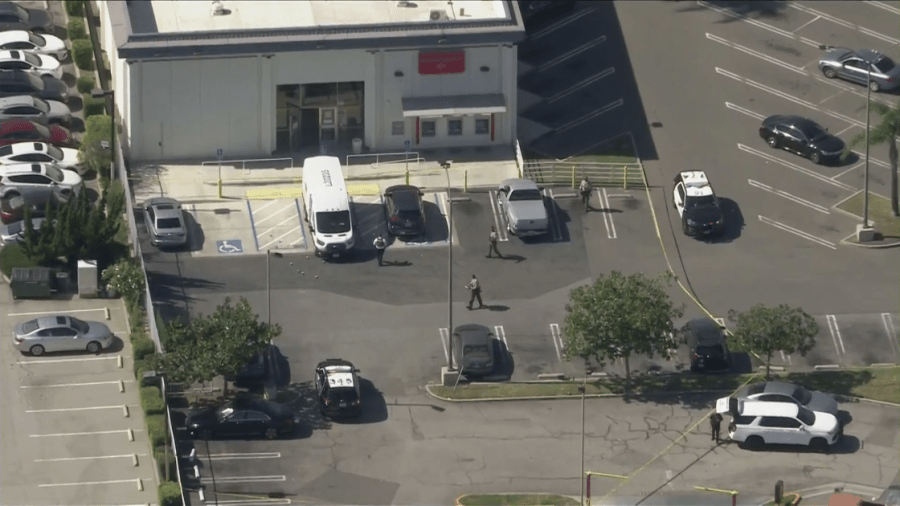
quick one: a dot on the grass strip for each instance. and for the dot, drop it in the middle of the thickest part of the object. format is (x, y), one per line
(516, 500)
(880, 216)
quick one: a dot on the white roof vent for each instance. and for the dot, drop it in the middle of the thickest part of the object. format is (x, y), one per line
(438, 15)
(218, 9)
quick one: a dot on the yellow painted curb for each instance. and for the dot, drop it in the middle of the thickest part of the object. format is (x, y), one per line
(291, 192)
(364, 189)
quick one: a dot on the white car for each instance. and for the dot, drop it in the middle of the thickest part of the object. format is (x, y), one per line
(39, 64)
(32, 42)
(35, 109)
(35, 182)
(756, 423)
(41, 152)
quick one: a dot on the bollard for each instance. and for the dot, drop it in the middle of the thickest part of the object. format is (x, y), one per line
(573, 177)
(466, 181)
(125, 410)
(121, 387)
(119, 361)
(106, 309)
(140, 485)
(407, 177)
(220, 187)
(134, 459)
(130, 435)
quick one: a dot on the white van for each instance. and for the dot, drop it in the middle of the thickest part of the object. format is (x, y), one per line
(327, 206)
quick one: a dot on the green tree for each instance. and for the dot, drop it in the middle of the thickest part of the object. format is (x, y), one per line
(887, 131)
(92, 153)
(619, 316)
(215, 345)
(766, 330)
(41, 245)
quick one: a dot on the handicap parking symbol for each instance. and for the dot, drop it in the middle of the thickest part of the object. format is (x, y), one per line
(229, 246)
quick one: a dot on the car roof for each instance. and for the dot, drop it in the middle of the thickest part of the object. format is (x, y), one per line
(696, 184)
(472, 333)
(165, 207)
(256, 404)
(706, 330)
(405, 197)
(15, 35)
(17, 100)
(767, 408)
(519, 184)
(48, 322)
(22, 168)
(779, 387)
(29, 147)
(7, 7)
(869, 54)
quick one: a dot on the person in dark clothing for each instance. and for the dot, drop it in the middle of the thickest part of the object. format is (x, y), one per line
(493, 240)
(715, 423)
(475, 287)
(380, 245)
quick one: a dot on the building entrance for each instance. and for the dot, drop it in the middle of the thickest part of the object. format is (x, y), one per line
(319, 115)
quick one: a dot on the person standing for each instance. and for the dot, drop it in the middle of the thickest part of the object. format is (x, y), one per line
(475, 288)
(715, 423)
(493, 248)
(380, 245)
(585, 189)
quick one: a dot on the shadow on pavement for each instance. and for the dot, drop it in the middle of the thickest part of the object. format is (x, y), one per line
(754, 9)
(734, 222)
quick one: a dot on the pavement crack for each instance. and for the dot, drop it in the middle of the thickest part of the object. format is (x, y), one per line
(416, 433)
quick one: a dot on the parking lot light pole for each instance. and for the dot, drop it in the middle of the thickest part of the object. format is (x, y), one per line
(97, 93)
(866, 188)
(581, 479)
(446, 167)
(269, 256)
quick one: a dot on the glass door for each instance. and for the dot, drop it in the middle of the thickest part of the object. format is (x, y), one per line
(327, 125)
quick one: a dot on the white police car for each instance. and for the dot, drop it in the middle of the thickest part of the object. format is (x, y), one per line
(697, 205)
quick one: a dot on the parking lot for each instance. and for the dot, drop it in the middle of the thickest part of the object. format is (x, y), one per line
(72, 424)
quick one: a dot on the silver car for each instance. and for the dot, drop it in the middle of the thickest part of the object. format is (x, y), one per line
(522, 203)
(165, 222)
(15, 232)
(37, 181)
(859, 66)
(36, 109)
(61, 333)
(779, 391)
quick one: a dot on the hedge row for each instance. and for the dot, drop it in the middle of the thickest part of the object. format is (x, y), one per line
(161, 462)
(85, 84)
(76, 29)
(156, 429)
(169, 494)
(83, 54)
(152, 401)
(75, 8)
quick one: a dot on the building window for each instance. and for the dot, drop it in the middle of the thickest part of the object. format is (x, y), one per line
(428, 128)
(482, 126)
(454, 126)
(397, 127)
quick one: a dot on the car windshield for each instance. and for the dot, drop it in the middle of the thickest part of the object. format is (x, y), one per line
(41, 105)
(709, 350)
(55, 173)
(534, 194)
(168, 223)
(475, 351)
(700, 202)
(29, 326)
(806, 416)
(35, 82)
(23, 14)
(408, 215)
(79, 325)
(224, 412)
(802, 395)
(756, 388)
(36, 39)
(32, 59)
(53, 151)
(41, 129)
(884, 64)
(333, 222)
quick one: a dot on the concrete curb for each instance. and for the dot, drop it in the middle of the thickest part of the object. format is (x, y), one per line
(575, 497)
(870, 246)
(555, 397)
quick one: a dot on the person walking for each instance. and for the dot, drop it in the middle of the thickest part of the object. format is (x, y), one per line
(493, 247)
(475, 288)
(585, 189)
(380, 245)
(715, 423)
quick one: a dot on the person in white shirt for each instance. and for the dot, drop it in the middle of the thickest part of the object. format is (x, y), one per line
(380, 245)
(475, 287)
(585, 189)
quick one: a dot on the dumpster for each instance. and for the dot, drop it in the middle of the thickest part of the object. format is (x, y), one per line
(31, 283)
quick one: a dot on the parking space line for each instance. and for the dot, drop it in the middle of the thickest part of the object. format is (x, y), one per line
(554, 228)
(502, 232)
(577, 86)
(845, 24)
(571, 54)
(759, 24)
(242, 479)
(589, 116)
(882, 5)
(67, 434)
(499, 332)
(445, 338)
(557, 340)
(239, 456)
(561, 23)
(755, 53)
(59, 410)
(58, 360)
(804, 25)
(83, 483)
(273, 215)
(282, 235)
(788, 196)
(741, 110)
(302, 226)
(858, 165)
(799, 233)
(789, 165)
(443, 202)
(253, 225)
(604, 201)
(267, 204)
(98, 457)
(830, 97)
(57, 312)
(78, 384)
(891, 331)
(835, 335)
(259, 502)
(844, 130)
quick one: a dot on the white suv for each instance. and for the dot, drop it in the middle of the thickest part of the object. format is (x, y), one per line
(755, 423)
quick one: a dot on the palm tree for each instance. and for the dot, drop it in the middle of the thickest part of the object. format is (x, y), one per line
(887, 131)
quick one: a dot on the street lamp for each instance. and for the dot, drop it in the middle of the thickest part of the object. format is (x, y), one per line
(97, 93)
(269, 256)
(581, 479)
(446, 166)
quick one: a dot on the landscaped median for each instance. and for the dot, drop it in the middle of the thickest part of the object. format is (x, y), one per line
(880, 217)
(515, 500)
(879, 384)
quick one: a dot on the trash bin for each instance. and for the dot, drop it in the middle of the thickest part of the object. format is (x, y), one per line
(31, 283)
(357, 146)
(62, 282)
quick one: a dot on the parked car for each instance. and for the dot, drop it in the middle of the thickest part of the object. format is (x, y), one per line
(523, 206)
(19, 82)
(779, 391)
(15, 17)
(36, 43)
(40, 64)
(755, 423)
(13, 209)
(337, 388)
(404, 211)
(473, 350)
(41, 152)
(61, 333)
(35, 109)
(802, 136)
(697, 204)
(706, 343)
(38, 182)
(14, 232)
(242, 417)
(862, 66)
(23, 130)
(165, 222)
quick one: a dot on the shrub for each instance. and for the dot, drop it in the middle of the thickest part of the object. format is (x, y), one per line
(156, 430)
(142, 347)
(83, 54)
(140, 367)
(152, 401)
(86, 84)
(93, 106)
(75, 8)
(169, 494)
(11, 257)
(161, 462)
(76, 29)
(127, 278)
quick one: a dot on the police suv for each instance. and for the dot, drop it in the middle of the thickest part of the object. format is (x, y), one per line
(697, 205)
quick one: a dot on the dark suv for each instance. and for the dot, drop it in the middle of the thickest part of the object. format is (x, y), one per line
(337, 388)
(706, 343)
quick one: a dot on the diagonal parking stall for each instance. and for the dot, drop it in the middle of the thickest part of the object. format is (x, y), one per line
(277, 224)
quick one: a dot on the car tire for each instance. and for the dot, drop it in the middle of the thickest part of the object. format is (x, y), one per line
(873, 85)
(271, 433)
(829, 72)
(94, 347)
(772, 141)
(204, 434)
(815, 157)
(754, 442)
(684, 228)
(10, 195)
(36, 350)
(818, 445)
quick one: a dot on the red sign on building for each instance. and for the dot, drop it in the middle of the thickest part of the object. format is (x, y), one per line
(442, 62)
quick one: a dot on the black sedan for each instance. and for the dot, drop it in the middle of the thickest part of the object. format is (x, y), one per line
(247, 417)
(404, 211)
(802, 136)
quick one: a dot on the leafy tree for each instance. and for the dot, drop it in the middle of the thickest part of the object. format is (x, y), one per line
(92, 153)
(40, 245)
(887, 131)
(619, 316)
(219, 344)
(766, 330)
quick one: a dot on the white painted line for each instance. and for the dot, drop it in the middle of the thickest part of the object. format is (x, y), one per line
(259, 502)
(835, 334)
(59, 360)
(882, 5)
(804, 25)
(829, 98)
(84, 483)
(720, 321)
(608, 213)
(57, 312)
(78, 384)
(589, 116)
(844, 130)
(561, 23)
(858, 165)
(571, 54)
(554, 227)
(242, 479)
(788, 97)
(66, 459)
(845, 24)
(873, 160)
(582, 84)
(797, 232)
(557, 340)
(755, 53)
(72, 409)
(275, 214)
(499, 222)
(759, 24)
(445, 338)
(499, 332)
(788, 196)
(443, 202)
(891, 333)
(273, 241)
(263, 207)
(278, 225)
(238, 456)
(789, 165)
(741, 110)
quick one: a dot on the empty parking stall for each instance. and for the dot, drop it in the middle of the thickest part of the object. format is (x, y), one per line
(277, 224)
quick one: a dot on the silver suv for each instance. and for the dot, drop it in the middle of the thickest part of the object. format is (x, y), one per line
(38, 182)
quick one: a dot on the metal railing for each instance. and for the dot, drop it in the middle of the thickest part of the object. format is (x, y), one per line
(620, 175)
(412, 156)
(246, 161)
